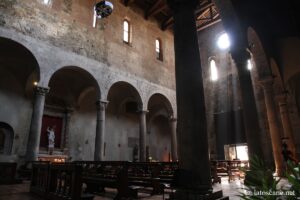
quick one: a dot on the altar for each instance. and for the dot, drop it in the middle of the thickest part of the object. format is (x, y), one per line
(53, 158)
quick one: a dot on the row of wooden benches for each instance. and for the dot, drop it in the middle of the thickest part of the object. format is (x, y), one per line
(228, 168)
(65, 181)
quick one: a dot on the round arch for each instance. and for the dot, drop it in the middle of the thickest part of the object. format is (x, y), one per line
(18, 61)
(159, 101)
(75, 80)
(259, 54)
(129, 92)
(6, 138)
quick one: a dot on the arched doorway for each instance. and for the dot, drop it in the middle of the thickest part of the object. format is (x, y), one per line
(70, 110)
(19, 71)
(159, 137)
(122, 135)
(6, 138)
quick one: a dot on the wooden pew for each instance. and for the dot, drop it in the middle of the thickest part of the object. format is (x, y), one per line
(167, 171)
(145, 174)
(8, 173)
(112, 174)
(58, 181)
(214, 172)
(228, 168)
(39, 180)
(234, 169)
(127, 177)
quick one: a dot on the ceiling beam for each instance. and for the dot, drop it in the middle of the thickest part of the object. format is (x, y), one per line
(204, 7)
(167, 23)
(208, 24)
(158, 6)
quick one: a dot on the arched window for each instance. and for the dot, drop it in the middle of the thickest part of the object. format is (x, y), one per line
(158, 50)
(94, 19)
(213, 71)
(249, 65)
(46, 2)
(126, 31)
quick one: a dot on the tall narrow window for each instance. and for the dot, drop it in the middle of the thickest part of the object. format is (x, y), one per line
(46, 2)
(94, 19)
(158, 50)
(126, 32)
(213, 71)
(249, 65)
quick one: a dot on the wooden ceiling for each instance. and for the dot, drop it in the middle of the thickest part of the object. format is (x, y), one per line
(206, 12)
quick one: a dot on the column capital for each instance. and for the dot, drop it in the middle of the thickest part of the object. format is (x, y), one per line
(178, 4)
(42, 90)
(101, 104)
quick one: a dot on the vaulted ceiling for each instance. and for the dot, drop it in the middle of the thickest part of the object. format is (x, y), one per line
(206, 12)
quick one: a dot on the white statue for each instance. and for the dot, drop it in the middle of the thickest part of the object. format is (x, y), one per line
(51, 139)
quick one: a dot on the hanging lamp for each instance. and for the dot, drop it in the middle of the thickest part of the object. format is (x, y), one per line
(103, 9)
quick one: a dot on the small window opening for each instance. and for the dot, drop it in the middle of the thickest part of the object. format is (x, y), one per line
(213, 71)
(158, 50)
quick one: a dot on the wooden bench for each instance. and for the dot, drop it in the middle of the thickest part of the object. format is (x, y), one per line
(228, 168)
(8, 173)
(167, 172)
(39, 178)
(98, 175)
(58, 181)
(234, 169)
(145, 174)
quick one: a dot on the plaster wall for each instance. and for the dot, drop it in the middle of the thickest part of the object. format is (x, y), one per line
(15, 110)
(159, 139)
(68, 26)
(83, 129)
(119, 128)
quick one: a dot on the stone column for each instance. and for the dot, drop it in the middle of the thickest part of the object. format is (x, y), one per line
(194, 177)
(233, 27)
(36, 124)
(286, 123)
(100, 130)
(173, 123)
(267, 85)
(66, 144)
(143, 130)
(250, 115)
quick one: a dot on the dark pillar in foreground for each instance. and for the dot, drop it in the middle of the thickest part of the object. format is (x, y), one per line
(36, 124)
(253, 132)
(239, 44)
(194, 177)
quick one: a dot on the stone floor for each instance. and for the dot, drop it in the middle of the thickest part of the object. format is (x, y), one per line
(21, 192)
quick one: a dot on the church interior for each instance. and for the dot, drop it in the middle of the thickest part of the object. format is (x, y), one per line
(175, 99)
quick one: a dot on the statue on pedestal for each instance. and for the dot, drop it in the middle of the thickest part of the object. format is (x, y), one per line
(51, 139)
(135, 153)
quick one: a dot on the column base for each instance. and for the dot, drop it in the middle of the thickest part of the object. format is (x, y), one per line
(183, 194)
